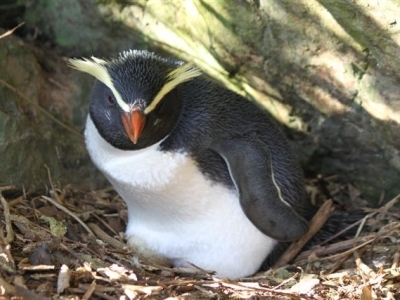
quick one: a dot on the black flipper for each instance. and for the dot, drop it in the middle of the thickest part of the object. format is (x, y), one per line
(250, 166)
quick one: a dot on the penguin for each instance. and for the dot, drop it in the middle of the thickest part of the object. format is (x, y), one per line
(208, 177)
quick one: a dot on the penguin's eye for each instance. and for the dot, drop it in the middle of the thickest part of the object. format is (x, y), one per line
(111, 100)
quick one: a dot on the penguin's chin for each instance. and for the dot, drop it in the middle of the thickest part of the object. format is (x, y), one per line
(124, 142)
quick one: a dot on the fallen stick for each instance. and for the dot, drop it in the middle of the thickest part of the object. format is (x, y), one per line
(316, 223)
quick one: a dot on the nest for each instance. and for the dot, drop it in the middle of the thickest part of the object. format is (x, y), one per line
(69, 244)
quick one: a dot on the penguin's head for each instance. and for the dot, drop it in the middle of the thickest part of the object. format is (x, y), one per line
(135, 100)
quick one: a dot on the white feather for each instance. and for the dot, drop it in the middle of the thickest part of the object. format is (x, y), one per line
(179, 213)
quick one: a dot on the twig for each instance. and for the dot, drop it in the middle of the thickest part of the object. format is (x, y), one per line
(339, 255)
(66, 210)
(316, 223)
(104, 296)
(343, 245)
(6, 260)
(363, 267)
(338, 264)
(8, 288)
(396, 259)
(350, 251)
(9, 32)
(366, 293)
(332, 248)
(249, 286)
(286, 281)
(73, 253)
(186, 271)
(105, 224)
(344, 230)
(7, 217)
(89, 291)
(41, 109)
(206, 293)
(189, 271)
(360, 228)
(99, 288)
(50, 179)
(105, 237)
(385, 208)
(6, 188)
(388, 205)
(18, 291)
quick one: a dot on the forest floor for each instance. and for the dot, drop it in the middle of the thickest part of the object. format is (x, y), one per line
(69, 244)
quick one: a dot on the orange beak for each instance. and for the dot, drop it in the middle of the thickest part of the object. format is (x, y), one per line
(133, 122)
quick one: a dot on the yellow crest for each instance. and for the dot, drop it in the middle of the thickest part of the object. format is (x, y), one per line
(97, 68)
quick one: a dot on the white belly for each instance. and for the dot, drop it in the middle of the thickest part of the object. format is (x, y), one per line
(179, 213)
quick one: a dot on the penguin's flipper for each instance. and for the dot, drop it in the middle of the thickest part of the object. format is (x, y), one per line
(250, 166)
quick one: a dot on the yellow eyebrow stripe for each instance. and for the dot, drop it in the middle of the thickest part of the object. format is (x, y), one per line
(96, 67)
(177, 76)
